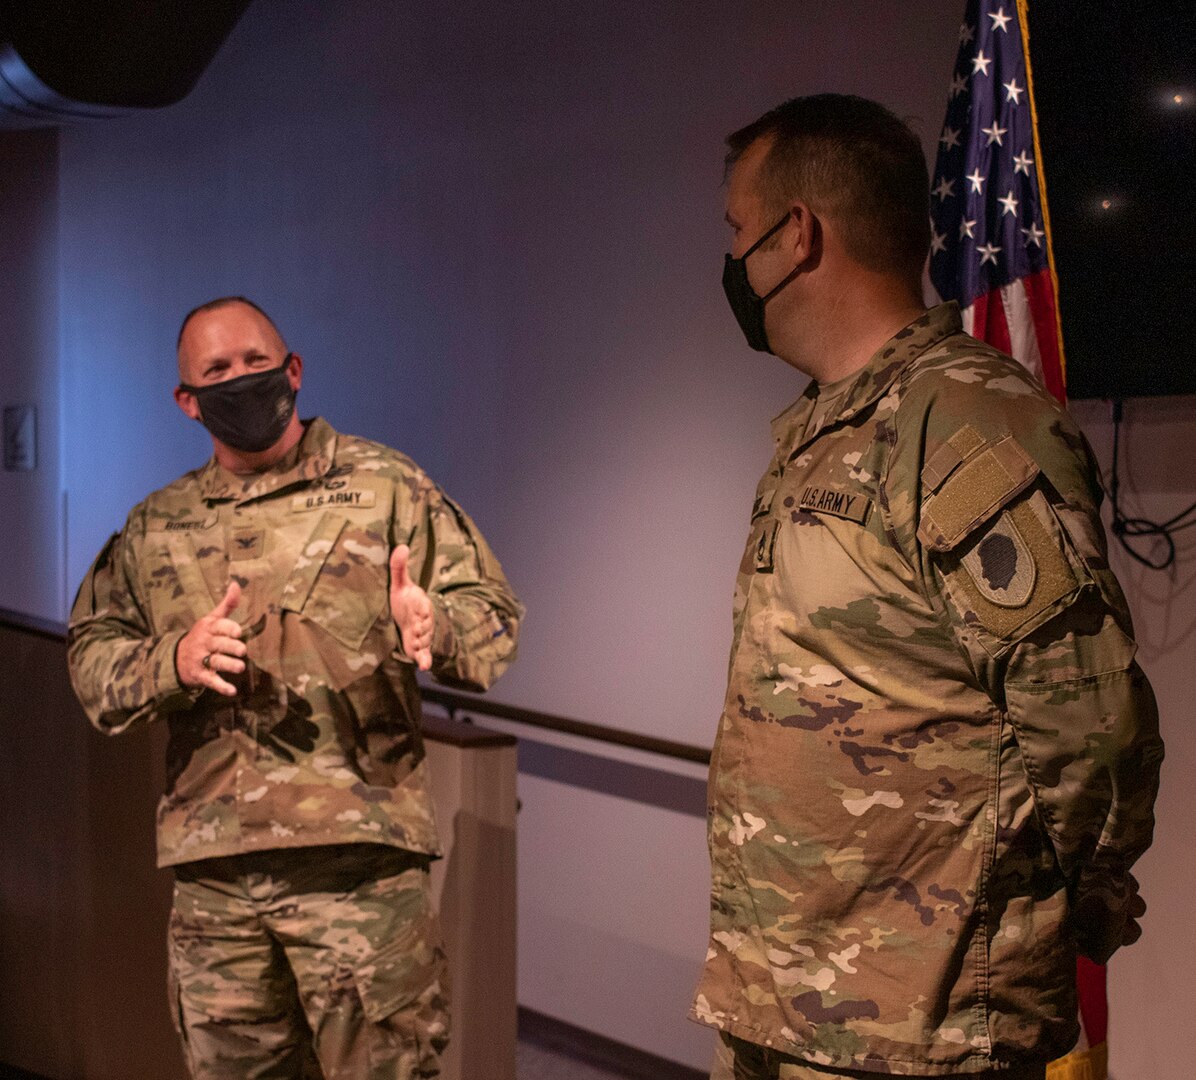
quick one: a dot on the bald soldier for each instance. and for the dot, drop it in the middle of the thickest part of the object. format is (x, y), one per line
(937, 758)
(272, 608)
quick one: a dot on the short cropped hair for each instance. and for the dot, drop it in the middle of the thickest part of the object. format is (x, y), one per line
(225, 301)
(853, 160)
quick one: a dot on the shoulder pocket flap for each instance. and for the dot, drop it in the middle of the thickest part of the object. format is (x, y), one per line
(762, 504)
(948, 457)
(976, 491)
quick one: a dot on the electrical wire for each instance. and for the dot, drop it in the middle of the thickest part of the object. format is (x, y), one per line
(1128, 529)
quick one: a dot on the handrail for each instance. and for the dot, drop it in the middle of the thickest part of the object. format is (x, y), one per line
(456, 702)
(32, 624)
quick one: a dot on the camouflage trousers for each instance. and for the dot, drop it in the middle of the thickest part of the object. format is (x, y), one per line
(737, 1059)
(310, 963)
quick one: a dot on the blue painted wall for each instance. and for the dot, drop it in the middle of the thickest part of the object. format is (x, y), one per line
(32, 575)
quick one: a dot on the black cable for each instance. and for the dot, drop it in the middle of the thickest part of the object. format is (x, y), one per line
(1129, 528)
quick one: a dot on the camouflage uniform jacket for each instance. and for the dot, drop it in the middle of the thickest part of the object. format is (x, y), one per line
(322, 742)
(937, 758)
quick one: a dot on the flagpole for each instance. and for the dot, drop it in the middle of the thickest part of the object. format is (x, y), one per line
(1023, 20)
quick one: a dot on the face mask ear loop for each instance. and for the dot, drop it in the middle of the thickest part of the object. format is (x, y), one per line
(776, 228)
(780, 285)
(788, 277)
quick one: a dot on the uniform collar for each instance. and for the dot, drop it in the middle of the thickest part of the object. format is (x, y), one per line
(312, 457)
(873, 379)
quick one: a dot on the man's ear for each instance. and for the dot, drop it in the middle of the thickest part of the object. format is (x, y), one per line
(185, 400)
(803, 237)
(295, 371)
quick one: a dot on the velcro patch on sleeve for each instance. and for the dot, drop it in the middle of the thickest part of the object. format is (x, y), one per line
(1012, 571)
(976, 490)
(948, 457)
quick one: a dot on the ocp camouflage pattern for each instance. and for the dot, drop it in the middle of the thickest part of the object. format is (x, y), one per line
(345, 945)
(322, 743)
(937, 758)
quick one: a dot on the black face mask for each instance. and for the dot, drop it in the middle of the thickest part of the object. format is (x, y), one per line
(250, 412)
(746, 304)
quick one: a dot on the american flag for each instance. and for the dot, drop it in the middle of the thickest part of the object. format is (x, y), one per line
(990, 250)
(990, 243)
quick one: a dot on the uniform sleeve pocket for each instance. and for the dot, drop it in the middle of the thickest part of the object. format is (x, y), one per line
(975, 492)
(1013, 573)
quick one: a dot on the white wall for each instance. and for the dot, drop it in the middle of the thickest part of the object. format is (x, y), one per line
(1152, 990)
(495, 234)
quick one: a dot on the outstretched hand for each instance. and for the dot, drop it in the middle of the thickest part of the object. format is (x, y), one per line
(212, 646)
(411, 609)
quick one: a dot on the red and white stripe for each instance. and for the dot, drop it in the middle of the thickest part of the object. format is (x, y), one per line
(1021, 319)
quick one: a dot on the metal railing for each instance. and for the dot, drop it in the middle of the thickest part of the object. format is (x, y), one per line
(459, 706)
(455, 703)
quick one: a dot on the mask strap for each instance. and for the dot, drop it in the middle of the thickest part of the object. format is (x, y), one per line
(778, 287)
(776, 228)
(788, 277)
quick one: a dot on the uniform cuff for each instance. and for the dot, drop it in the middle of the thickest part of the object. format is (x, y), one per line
(164, 672)
(444, 636)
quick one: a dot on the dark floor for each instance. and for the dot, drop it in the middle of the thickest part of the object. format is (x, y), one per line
(537, 1063)
(533, 1063)
(548, 1052)
(551, 1049)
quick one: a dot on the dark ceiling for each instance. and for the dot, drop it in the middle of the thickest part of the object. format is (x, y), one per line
(1119, 152)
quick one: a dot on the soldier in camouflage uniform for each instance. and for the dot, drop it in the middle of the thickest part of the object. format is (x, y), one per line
(937, 758)
(271, 608)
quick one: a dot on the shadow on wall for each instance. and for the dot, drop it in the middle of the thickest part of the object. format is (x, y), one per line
(593, 772)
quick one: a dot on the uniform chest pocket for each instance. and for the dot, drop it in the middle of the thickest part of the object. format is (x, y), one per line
(172, 568)
(340, 579)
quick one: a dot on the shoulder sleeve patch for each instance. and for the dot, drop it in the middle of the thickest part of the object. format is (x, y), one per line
(1001, 566)
(975, 492)
(1014, 573)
